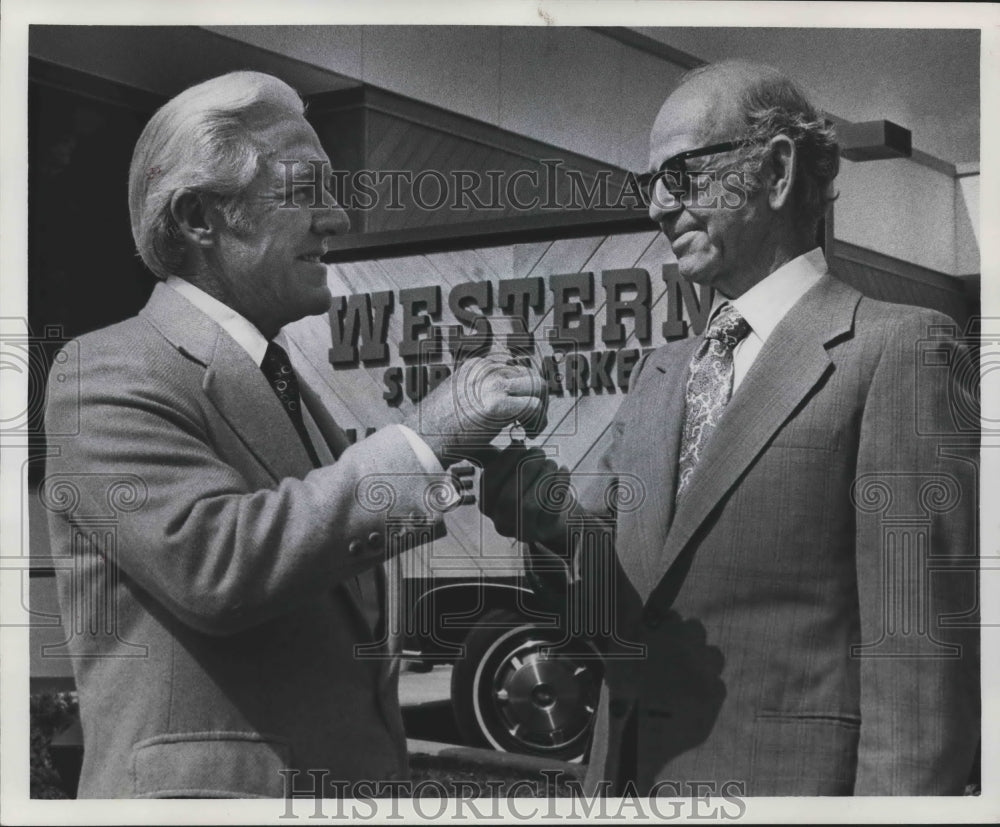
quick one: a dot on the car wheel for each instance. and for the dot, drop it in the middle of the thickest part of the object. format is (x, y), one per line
(521, 688)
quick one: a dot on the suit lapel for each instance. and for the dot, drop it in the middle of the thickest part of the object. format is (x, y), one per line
(233, 383)
(337, 442)
(334, 435)
(791, 363)
(241, 394)
(662, 400)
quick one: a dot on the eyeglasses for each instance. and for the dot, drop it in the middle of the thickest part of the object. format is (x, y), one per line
(674, 174)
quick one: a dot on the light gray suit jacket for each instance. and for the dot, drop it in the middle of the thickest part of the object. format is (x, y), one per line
(207, 570)
(825, 515)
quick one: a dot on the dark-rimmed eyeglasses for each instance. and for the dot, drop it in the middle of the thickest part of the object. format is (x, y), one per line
(674, 175)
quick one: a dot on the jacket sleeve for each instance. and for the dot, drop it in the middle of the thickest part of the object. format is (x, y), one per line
(594, 498)
(221, 554)
(915, 497)
(569, 572)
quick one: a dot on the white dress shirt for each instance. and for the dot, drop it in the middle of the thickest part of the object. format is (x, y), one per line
(253, 342)
(766, 303)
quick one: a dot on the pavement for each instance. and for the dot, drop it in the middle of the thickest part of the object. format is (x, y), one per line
(417, 688)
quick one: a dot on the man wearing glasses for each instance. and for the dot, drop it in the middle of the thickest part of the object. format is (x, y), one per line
(792, 636)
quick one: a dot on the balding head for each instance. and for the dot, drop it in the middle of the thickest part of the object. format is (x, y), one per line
(712, 94)
(778, 156)
(754, 102)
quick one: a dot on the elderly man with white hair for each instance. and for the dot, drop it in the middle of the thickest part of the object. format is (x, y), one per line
(218, 619)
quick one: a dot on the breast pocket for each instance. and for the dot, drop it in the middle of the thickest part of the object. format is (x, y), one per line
(817, 439)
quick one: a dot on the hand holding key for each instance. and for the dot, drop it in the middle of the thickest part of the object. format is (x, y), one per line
(482, 397)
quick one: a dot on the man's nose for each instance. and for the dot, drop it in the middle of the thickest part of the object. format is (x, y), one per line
(332, 220)
(664, 208)
(662, 204)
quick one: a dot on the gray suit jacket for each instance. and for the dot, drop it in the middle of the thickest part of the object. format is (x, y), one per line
(808, 609)
(207, 570)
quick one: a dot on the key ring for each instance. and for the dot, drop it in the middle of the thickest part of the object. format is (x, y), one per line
(517, 434)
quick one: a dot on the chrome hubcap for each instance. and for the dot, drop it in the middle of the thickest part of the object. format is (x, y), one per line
(544, 696)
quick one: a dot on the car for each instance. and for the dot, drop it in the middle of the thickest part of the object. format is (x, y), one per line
(519, 682)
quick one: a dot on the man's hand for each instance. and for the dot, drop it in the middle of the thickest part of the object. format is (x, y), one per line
(483, 396)
(527, 496)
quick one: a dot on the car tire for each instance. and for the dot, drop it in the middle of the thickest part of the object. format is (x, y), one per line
(520, 688)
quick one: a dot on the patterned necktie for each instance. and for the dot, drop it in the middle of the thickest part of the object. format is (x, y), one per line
(277, 368)
(709, 386)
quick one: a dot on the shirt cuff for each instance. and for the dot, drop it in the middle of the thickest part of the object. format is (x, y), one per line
(422, 450)
(431, 463)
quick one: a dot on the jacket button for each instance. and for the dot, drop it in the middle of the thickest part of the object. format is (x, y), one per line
(652, 619)
(375, 539)
(355, 547)
(618, 707)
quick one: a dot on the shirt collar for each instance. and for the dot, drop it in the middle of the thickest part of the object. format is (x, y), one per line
(766, 303)
(240, 329)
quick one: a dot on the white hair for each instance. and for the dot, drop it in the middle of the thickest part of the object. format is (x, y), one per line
(203, 139)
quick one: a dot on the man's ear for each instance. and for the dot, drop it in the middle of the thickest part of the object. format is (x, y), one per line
(782, 183)
(193, 217)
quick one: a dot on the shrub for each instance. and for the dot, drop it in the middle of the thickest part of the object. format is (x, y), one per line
(51, 713)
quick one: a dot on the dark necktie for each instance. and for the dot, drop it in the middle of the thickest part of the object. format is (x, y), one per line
(277, 368)
(709, 386)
